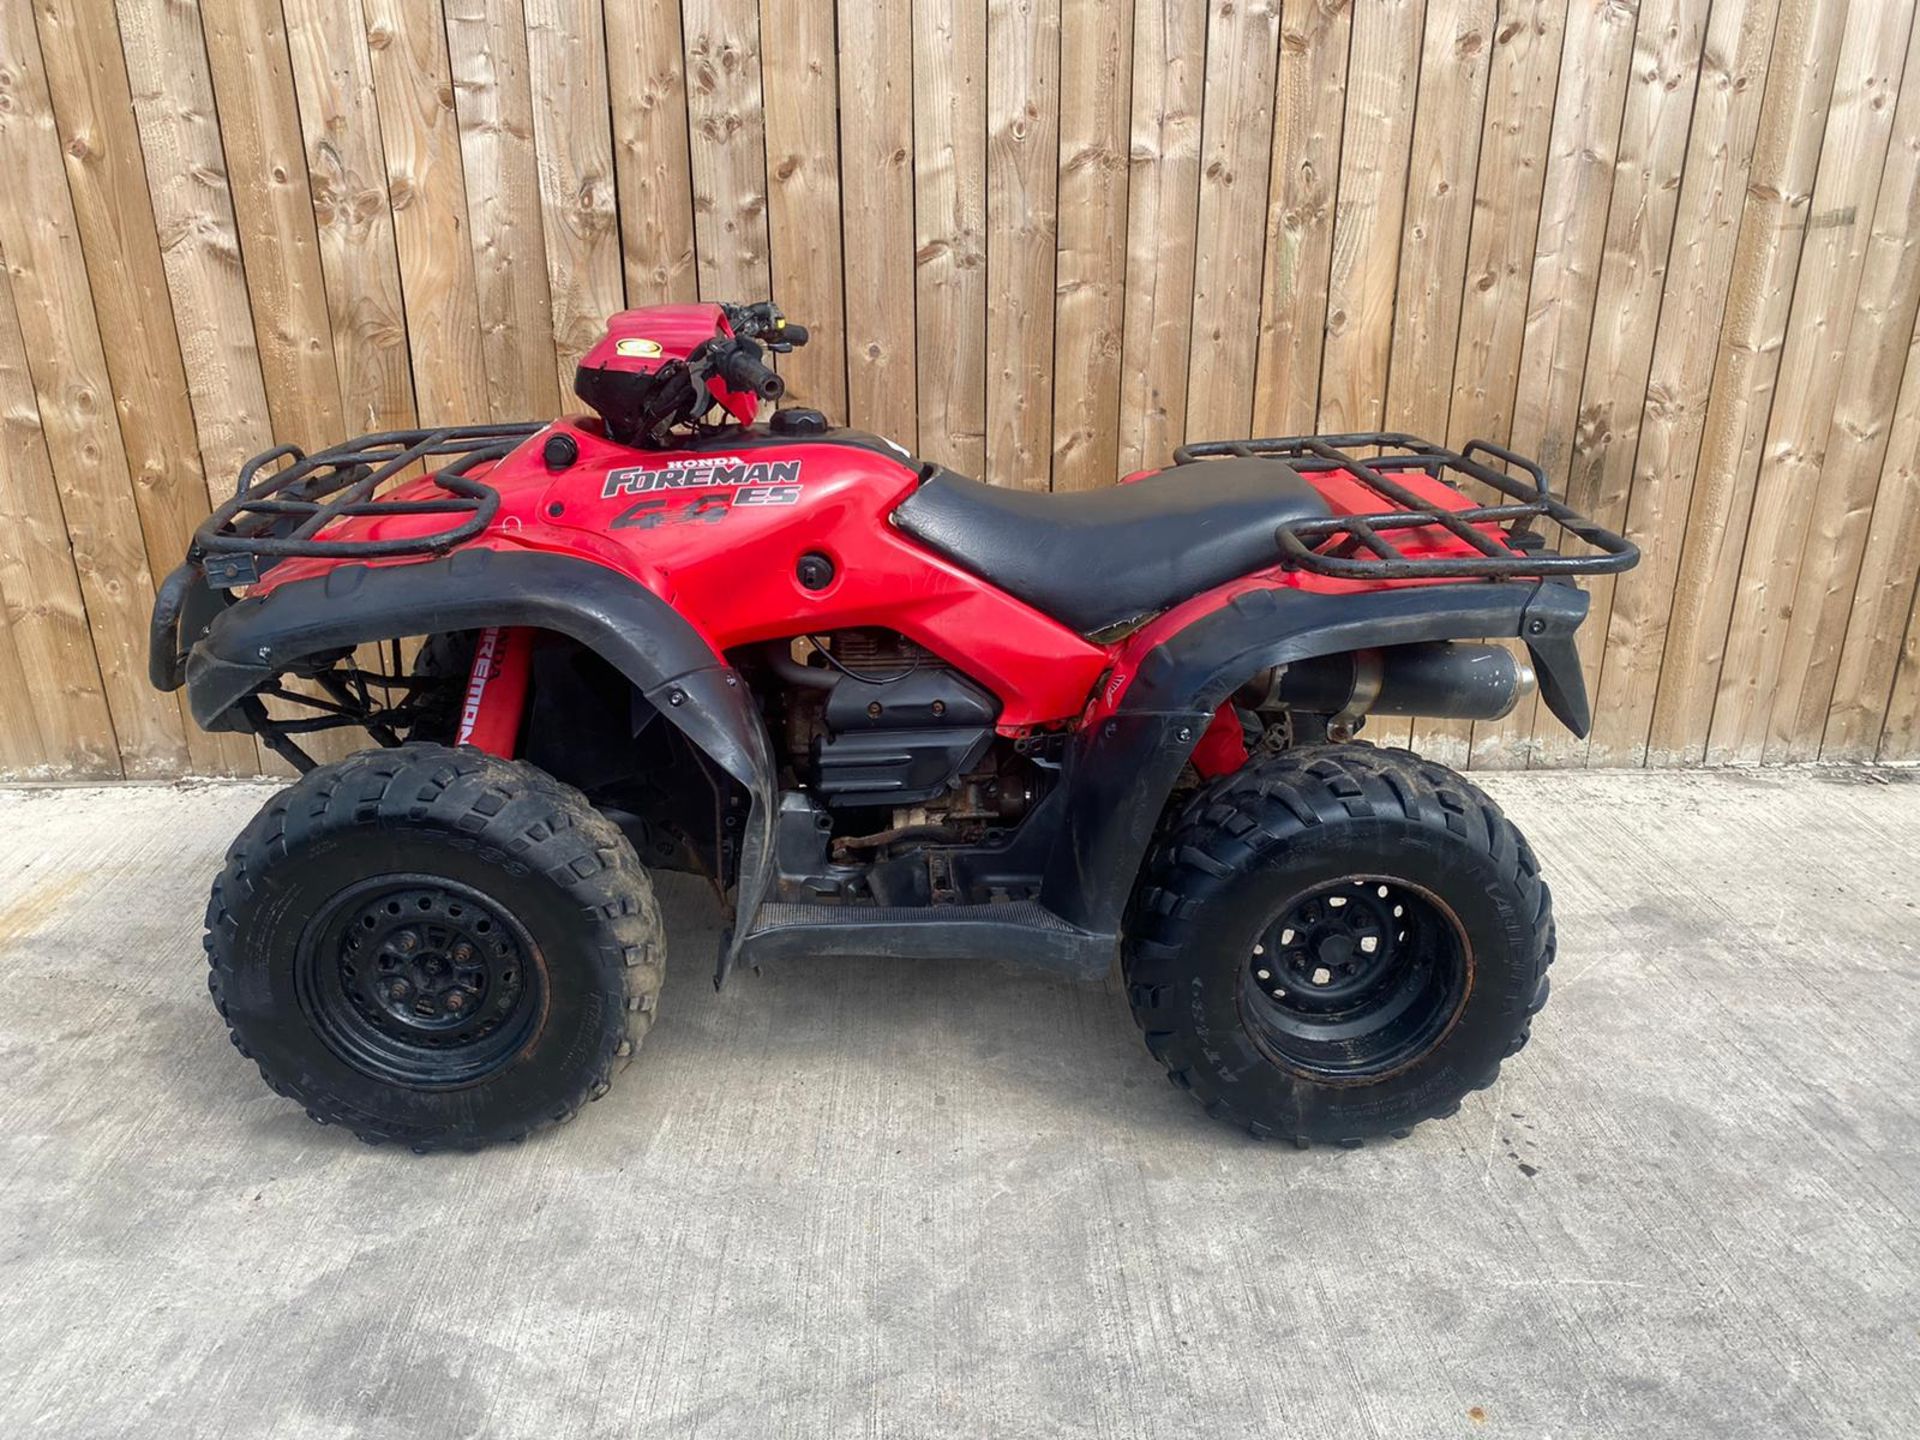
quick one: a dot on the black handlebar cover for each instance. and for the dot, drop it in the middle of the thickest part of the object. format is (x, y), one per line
(741, 368)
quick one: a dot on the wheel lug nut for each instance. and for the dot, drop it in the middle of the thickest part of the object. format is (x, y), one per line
(406, 942)
(456, 1000)
(462, 953)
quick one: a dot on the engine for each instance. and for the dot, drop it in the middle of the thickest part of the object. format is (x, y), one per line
(876, 723)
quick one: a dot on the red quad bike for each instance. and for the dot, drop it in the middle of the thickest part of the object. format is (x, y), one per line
(894, 712)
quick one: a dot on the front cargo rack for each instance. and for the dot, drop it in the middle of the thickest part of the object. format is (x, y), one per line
(281, 513)
(1334, 545)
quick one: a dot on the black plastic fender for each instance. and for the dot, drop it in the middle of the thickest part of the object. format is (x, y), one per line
(1119, 773)
(633, 629)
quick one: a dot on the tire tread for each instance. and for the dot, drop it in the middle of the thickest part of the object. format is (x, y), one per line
(1264, 807)
(520, 808)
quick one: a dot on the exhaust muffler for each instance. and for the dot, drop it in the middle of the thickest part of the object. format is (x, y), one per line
(1441, 679)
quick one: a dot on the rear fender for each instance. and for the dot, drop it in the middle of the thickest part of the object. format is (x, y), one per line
(628, 625)
(1121, 768)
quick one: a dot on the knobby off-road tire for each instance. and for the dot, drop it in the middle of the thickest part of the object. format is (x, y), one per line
(447, 658)
(434, 947)
(1320, 1035)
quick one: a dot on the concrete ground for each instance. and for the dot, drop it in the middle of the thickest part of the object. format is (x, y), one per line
(852, 1198)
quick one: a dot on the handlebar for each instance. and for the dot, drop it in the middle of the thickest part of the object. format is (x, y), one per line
(740, 367)
(737, 361)
(765, 322)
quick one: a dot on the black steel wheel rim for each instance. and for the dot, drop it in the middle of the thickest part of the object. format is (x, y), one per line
(419, 981)
(1356, 977)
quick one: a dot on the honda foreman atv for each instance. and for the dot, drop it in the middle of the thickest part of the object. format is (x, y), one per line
(889, 710)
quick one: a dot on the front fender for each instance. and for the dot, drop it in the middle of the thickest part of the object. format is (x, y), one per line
(246, 645)
(1121, 769)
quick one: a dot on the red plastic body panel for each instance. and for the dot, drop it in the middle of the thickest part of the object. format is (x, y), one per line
(641, 341)
(718, 534)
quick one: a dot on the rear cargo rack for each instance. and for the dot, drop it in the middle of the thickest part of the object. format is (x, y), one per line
(1333, 545)
(281, 513)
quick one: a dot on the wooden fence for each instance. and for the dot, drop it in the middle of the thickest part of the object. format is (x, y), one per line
(1669, 247)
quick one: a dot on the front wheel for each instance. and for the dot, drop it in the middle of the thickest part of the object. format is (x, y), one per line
(1337, 943)
(434, 947)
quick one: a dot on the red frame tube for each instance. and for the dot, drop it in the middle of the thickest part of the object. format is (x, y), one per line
(497, 691)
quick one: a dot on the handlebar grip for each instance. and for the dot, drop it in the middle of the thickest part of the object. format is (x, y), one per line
(793, 334)
(743, 371)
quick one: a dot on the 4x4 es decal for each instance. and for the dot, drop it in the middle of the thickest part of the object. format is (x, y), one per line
(706, 474)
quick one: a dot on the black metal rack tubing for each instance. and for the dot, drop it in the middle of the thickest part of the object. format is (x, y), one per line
(1314, 454)
(351, 473)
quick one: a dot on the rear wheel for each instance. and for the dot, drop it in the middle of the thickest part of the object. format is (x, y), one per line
(434, 947)
(1337, 943)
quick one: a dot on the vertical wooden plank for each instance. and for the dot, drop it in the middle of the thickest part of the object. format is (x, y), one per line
(1883, 599)
(1626, 317)
(876, 141)
(252, 73)
(1733, 72)
(1382, 83)
(1844, 582)
(1901, 738)
(1163, 206)
(1236, 149)
(333, 81)
(1819, 324)
(1510, 182)
(487, 49)
(804, 203)
(106, 177)
(266, 168)
(22, 752)
(1766, 256)
(646, 81)
(1441, 174)
(39, 589)
(172, 95)
(1303, 175)
(567, 70)
(1865, 416)
(1441, 199)
(1536, 401)
(1090, 267)
(61, 340)
(729, 149)
(1383, 78)
(950, 221)
(1595, 67)
(426, 181)
(1023, 152)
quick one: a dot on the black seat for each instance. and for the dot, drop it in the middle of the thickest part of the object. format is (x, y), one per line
(1093, 558)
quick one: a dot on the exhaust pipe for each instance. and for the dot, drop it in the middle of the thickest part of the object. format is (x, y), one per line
(1442, 679)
